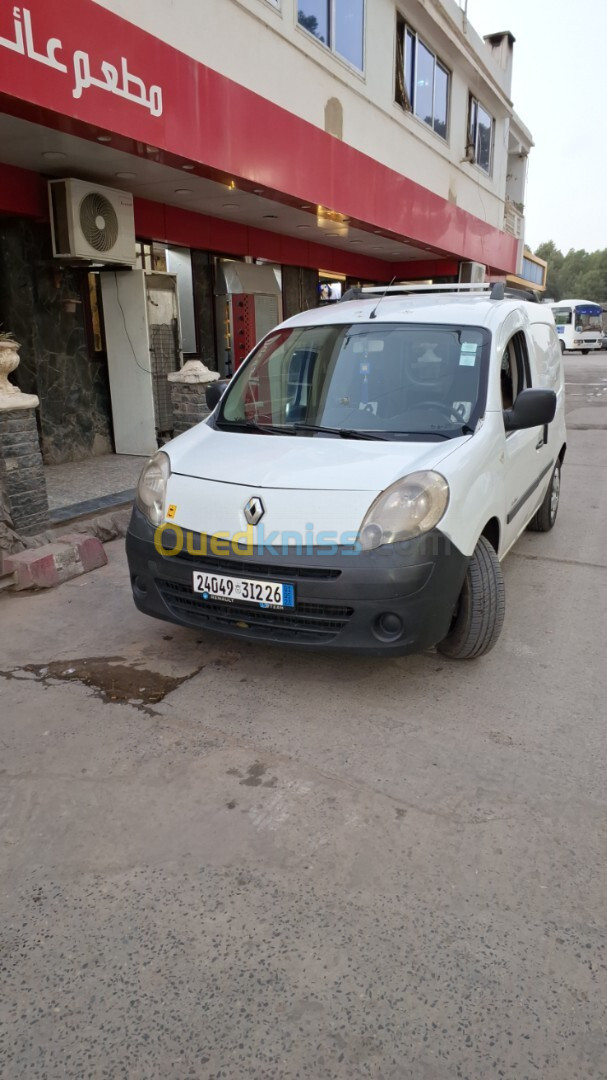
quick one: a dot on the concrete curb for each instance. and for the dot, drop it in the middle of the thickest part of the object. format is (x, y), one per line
(44, 567)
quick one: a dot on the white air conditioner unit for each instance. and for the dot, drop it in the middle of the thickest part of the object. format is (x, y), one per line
(91, 222)
(472, 273)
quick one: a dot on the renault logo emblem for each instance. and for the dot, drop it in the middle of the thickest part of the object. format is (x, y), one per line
(254, 510)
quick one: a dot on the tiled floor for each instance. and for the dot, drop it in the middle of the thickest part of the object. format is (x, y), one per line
(83, 481)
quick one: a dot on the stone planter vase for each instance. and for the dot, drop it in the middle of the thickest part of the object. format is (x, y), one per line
(9, 360)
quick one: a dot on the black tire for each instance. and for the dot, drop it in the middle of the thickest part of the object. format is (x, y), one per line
(585, 352)
(479, 617)
(543, 520)
(562, 344)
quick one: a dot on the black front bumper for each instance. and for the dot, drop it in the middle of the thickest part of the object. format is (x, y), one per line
(339, 598)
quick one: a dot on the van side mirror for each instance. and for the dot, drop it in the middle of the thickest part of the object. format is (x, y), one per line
(215, 391)
(532, 408)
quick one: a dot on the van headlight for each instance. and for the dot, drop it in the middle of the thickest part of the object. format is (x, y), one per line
(151, 489)
(408, 508)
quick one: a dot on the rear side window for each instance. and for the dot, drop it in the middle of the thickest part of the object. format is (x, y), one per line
(547, 353)
(514, 370)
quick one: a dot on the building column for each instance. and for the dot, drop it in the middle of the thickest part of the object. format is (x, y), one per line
(203, 282)
(40, 303)
(299, 290)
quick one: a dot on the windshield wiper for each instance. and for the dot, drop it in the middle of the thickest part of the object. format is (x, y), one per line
(344, 433)
(425, 434)
(252, 425)
(292, 429)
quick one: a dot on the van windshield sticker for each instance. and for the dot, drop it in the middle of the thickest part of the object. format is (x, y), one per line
(467, 355)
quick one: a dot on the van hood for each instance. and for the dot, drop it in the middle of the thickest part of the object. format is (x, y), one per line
(299, 461)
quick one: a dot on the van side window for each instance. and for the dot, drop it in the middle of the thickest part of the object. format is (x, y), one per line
(514, 371)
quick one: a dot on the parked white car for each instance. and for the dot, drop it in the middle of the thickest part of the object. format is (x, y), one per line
(362, 477)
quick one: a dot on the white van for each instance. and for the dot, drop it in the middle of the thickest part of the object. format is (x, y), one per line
(361, 477)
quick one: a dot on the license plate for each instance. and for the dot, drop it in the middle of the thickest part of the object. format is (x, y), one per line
(266, 594)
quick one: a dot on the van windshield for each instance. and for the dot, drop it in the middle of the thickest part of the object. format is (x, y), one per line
(399, 379)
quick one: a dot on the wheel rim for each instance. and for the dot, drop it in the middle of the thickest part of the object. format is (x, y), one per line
(555, 493)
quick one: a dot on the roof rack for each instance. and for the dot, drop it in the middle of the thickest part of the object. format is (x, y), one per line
(357, 293)
(374, 290)
(497, 290)
(519, 292)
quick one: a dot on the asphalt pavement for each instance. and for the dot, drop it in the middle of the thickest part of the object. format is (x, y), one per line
(224, 860)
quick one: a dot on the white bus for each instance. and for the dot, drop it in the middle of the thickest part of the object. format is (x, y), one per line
(579, 324)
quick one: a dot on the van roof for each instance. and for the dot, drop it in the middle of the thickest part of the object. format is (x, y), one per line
(468, 310)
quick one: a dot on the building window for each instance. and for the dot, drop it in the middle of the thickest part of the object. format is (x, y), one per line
(421, 80)
(533, 271)
(339, 24)
(480, 135)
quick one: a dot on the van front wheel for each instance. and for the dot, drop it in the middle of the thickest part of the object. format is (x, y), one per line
(479, 616)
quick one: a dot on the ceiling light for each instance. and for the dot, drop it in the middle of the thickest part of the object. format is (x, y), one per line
(303, 226)
(230, 205)
(183, 191)
(356, 241)
(126, 176)
(54, 155)
(104, 138)
(258, 190)
(305, 206)
(377, 232)
(188, 168)
(271, 217)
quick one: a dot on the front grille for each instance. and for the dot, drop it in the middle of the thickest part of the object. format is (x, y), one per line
(312, 623)
(247, 568)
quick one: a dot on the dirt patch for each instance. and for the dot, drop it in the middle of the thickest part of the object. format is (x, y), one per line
(113, 679)
(501, 738)
(117, 679)
(255, 774)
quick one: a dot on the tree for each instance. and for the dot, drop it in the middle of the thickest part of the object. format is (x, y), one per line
(579, 273)
(555, 259)
(551, 254)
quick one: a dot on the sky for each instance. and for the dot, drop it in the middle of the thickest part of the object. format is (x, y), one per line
(560, 93)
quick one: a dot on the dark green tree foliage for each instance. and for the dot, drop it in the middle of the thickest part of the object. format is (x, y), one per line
(581, 274)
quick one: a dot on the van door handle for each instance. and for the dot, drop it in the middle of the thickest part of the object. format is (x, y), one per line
(540, 443)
